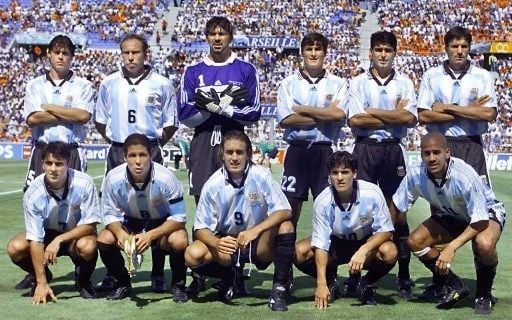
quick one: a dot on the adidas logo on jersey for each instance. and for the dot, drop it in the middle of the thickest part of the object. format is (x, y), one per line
(141, 195)
(346, 218)
(217, 83)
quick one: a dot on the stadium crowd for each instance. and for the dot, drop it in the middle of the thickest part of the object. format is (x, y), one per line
(411, 21)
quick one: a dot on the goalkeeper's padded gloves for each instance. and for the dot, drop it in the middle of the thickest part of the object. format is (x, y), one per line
(237, 96)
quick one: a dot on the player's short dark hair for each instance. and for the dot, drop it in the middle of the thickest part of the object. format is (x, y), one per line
(383, 37)
(314, 37)
(58, 150)
(457, 33)
(221, 22)
(136, 139)
(237, 135)
(342, 159)
(434, 135)
(62, 41)
(137, 37)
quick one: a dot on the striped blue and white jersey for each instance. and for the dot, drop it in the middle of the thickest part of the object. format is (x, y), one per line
(206, 75)
(367, 92)
(72, 92)
(461, 194)
(145, 106)
(45, 210)
(299, 89)
(225, 208)
(160, 196)
(438, 85)
(366, 214)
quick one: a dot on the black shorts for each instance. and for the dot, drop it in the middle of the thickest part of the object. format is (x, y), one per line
(469, 149)
(306, 168)
(203, 160)
(453, 226)
(133, 225)
(50, 235)
(240, 257)
(78, 161)
(382, 163)
(115, 155)
(341, 251)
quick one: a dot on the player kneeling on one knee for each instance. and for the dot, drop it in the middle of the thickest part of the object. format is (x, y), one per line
(61, 212)
(351, 225)
(144, 199)
(242, 216)
(466, 209)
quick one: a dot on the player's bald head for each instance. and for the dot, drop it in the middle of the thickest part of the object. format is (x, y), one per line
(434, 138)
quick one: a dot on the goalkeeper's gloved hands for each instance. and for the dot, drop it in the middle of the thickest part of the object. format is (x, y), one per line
(234, 96)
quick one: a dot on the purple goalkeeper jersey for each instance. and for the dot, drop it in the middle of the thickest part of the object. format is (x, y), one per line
(208, 74)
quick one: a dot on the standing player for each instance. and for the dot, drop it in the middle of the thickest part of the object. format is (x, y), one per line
(382, 106)
(242, 216)
(466, 209)
(144, 198)
(458, 99)
(136, 99)
(57, 106)
(311, 106)
(218, 94)
(61, 212)
(351, 224)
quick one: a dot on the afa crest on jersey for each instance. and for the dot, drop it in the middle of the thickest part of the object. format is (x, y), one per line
(68, 101)
(459, 200)
(473, 94)
(364, 220)
(158, 201)
(254, 198)
(151, 100)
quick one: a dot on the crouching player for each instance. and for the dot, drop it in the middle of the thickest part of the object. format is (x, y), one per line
(143, 198)
(61, 212)
(467, 209)
(351, 224)
(242, 216)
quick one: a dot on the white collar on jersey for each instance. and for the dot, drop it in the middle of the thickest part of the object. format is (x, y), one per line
(209, 62)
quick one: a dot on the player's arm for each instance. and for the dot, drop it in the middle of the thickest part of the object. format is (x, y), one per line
(42, 290)
(430, 116)
(399, 116)
(119, 232)
(446, 256)
(332, 113)
(50, 253)
(474, 111)
(167, 134)
(274, 219)
(322, 290)
(41, 118)
(101, 128)
(357, 261)
(67, 114)
(143, 240)
(225, 245)
(188, 113)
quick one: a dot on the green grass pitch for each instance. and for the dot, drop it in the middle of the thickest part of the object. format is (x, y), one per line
(148, 305)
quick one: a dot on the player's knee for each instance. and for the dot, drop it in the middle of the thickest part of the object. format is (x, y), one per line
(86, 247)
(303, 251)
(106, 237)
(416, 242)
(485, 246)
(17, 249)
(178, 240)
(286, 227)
(194, 255)
(388, 252)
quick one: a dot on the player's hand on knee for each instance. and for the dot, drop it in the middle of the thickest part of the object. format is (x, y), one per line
(357, 261)
(444, 261)
(143, 241)
(227, 245)
(321, 296)
(245, 237)
(50, 252)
